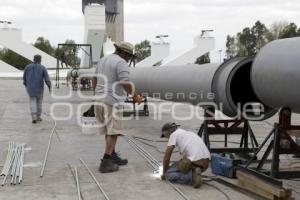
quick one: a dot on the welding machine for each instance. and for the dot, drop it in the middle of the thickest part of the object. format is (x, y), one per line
(224, 164)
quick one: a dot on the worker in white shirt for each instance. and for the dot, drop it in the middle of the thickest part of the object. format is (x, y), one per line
(195, 156)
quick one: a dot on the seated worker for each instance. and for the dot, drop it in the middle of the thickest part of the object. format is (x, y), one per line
(195, 156)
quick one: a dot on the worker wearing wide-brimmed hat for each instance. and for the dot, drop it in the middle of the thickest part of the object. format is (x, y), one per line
(111, 86)
(195, 156)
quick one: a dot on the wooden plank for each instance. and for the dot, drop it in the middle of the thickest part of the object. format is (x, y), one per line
(278, 192)
(237, 188)
(256, 189)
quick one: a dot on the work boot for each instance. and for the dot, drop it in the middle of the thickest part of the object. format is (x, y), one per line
(34, 120)
(118, 160)
(197, 177)
(108, 165)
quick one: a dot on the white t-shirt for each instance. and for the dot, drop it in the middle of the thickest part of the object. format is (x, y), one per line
(189, 144)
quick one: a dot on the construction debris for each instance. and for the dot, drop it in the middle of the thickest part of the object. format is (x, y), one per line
(13, 167)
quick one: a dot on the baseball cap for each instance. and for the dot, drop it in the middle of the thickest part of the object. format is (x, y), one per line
(168, 126)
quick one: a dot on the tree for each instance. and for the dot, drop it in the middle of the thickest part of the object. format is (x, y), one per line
(142, 50)
(250, 40)
(14, 59)
(230, 47)
(1, 52)
(275, 29)
(203, 59)
(289, 31)
(44, 45)
(246, 43)
(259, 32)
(68, 54)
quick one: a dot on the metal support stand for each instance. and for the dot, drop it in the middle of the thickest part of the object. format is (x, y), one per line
(135, 112)
(62, 60)
(281, 142)
(211, 126)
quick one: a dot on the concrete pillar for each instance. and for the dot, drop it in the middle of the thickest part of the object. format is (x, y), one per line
(116, 30)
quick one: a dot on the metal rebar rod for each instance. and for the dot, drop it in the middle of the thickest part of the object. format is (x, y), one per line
(57, 135)
(10, 159)
(144, 153)
(14, 176)
(9, 168)
(178, 190)
(47, 151)
(96, 181)
(22, 164)
(19, 162)
(145, 157)
(15, 167)
(134, 141)
(74, 177)
(6, 160)
(14, 163)
(10, 164)
(77, 183)
(151, 158)
(154, 166)
(18, 170)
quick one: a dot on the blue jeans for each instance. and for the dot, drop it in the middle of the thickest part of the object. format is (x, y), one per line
(36, 106)
(175, 176)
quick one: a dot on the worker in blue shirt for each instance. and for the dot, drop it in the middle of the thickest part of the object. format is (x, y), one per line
(33, 79)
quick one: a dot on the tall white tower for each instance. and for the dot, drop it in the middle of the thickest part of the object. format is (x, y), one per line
(94, 32)
(103, 19)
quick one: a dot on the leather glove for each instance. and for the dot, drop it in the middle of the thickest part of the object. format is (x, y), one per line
(138, 99)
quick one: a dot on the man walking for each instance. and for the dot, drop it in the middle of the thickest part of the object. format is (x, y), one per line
(195, 156)
(33, 79)
(111, 87)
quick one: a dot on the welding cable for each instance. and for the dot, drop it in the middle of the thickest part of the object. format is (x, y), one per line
(217, 188)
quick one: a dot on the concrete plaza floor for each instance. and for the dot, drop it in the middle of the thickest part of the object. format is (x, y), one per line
(135, 181)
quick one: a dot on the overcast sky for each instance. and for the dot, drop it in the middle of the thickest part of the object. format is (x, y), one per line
(58, 20)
